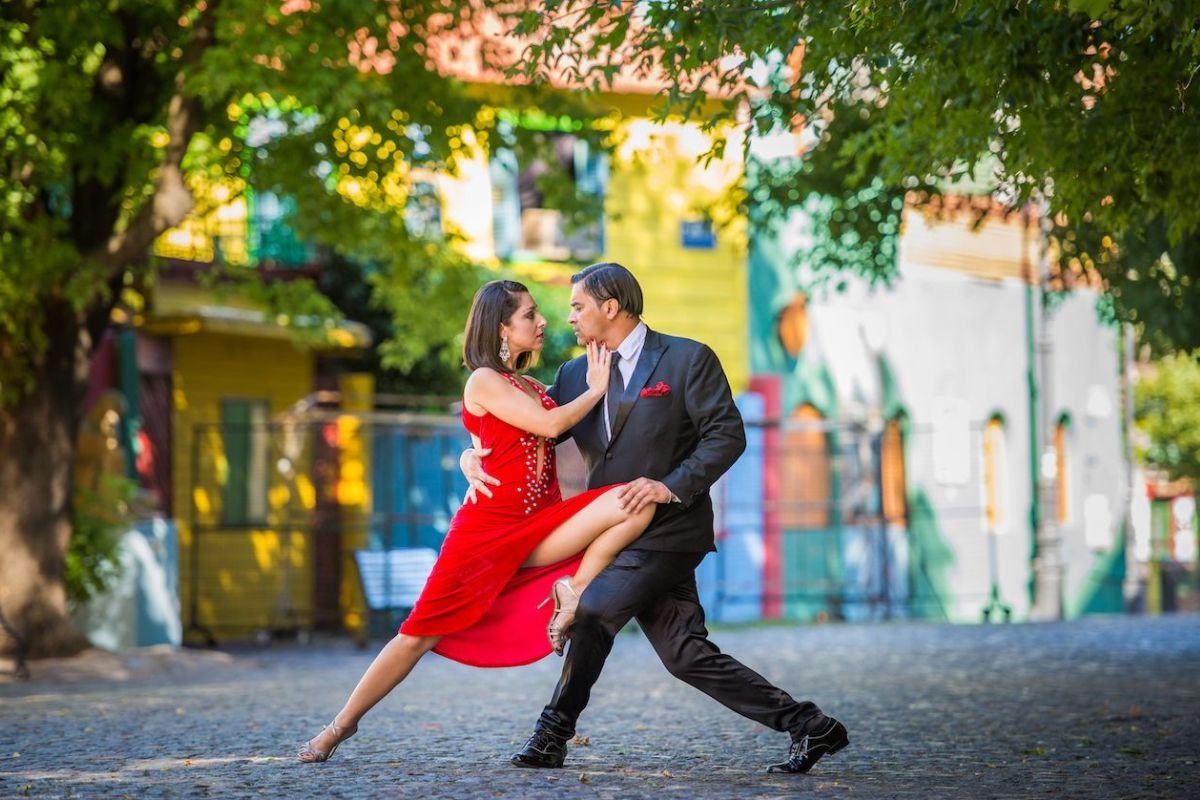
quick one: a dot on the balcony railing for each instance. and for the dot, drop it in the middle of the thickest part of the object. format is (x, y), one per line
(252, 230)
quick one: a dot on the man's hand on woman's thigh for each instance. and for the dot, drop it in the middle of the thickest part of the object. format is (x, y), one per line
(635, 495)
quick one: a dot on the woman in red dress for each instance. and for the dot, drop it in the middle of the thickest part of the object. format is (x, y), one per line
(519, 544)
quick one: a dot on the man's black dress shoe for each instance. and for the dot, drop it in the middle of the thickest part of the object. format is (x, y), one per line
(807, 748)
(543, 750)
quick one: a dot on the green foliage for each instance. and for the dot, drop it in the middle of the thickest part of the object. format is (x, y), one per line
(855, 227)
(1167, 412)
(1087, 107)
(100, 517)
(338, 106)
(347, 284)
(428, 292)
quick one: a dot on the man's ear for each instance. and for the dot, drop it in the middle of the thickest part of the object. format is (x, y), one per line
(611, 308)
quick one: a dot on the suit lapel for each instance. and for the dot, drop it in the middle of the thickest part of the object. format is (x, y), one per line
(592, 424)
(652, 351)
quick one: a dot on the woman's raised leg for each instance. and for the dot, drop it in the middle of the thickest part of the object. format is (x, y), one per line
(604, 529)
(393, 664)
(601, 528)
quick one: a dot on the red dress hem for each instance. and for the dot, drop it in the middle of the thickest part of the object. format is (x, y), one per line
(508, 628)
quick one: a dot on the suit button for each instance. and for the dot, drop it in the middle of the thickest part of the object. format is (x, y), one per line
(608, 456)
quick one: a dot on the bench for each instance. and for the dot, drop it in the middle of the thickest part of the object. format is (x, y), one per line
(393, 579)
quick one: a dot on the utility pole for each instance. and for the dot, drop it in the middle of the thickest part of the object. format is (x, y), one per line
(1131, 586)
(1045, 555)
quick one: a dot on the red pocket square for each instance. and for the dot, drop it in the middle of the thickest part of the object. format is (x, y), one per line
(659, 389)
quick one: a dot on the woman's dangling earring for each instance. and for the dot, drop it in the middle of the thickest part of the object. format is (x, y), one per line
(505, 353)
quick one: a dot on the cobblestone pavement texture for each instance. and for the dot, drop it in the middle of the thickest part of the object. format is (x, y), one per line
(1099, 708)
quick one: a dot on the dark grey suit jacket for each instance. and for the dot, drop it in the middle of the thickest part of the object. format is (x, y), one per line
(684, 431)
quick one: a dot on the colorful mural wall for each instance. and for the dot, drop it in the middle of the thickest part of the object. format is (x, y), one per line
(917, 449)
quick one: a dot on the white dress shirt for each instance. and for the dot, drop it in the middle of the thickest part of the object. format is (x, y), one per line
(630, 350)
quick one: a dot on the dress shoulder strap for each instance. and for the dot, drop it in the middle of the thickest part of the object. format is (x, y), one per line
(526, 385)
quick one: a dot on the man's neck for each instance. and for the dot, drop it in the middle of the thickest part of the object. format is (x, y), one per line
(620, 332)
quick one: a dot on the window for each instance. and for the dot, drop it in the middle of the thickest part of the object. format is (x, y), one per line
(251, 229)
(792, 325)
(805, 493)
(244, 435)
(423, 211)
(272, 239)
(1062, 471)
(527, 222)
(892, 476)
(995, 474)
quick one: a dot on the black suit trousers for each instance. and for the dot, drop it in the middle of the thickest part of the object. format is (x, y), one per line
(659, 589)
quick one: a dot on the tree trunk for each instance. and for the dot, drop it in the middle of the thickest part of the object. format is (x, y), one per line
(37, 440)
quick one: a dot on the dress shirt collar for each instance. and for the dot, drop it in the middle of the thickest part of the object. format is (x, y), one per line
(631, 347)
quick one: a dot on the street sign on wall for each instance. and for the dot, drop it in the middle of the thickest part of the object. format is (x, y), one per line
(697, 234)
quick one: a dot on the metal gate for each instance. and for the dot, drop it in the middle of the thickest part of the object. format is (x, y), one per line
(847, 521)
(816, 521)
(277, 508)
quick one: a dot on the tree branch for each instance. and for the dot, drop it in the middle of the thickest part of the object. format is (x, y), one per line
(171, 200)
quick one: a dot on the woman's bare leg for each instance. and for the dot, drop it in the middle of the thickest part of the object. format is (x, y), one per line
(602, 528)
(393, 664)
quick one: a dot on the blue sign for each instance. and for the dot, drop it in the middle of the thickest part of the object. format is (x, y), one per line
(697, 234)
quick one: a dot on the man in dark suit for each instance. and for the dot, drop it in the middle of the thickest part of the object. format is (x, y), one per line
(667, 429)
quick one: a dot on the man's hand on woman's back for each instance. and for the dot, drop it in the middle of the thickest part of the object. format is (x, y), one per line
(471, 464)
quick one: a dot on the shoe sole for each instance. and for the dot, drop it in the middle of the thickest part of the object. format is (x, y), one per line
(526, 765)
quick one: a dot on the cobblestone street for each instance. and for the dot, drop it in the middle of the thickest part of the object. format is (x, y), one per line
(1101, 708)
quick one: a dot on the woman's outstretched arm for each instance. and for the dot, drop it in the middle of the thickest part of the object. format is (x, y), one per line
(488, 390)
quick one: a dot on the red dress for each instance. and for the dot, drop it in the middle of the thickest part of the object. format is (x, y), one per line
(478, 598)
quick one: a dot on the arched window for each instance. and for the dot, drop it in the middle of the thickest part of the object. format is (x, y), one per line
(805, 492)
(1062, 471)
(995, 474)
(793, 325)
(892, 476)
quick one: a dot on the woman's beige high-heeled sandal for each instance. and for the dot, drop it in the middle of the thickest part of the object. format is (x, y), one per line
(566, 603)
(310, 755)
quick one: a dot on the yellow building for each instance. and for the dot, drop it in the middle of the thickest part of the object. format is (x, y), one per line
(667, 217)
(225, 449)
(692, 268)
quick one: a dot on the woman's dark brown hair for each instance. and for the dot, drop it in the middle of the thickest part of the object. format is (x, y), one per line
(493, 306)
